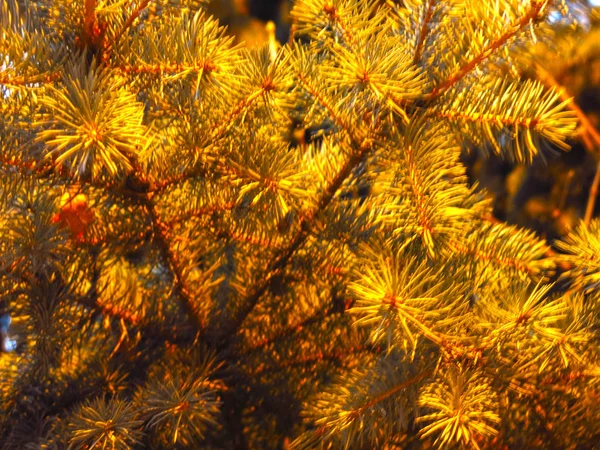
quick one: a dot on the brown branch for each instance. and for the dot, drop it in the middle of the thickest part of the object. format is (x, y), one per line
(420, 199)
(490, 256)
(219, 131)
(549, 253)
(89, 21)
(134, 15)
(361, 148)
(316, 358)
(18, 81)
(586, 60)
(315, 92)
(287, 332)
(354, 414)
(161, 231)
(224, 125)
(424, 31)
(490, 118)
(591, 203)
(390, 392)
(167, 68)
(90, 300)
(513, 29)
(306, 224)
(592, 142)
(248, 238)
(198, 212)
(549, 81)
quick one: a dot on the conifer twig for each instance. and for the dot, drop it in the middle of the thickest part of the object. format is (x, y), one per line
(487, 256)
(424, 30)
(306, 223)
(90, 300)
(547, 79)
(198, 212)
(332, 12)
(18, 81)
(318, 357)
(513, 29)
(591, 203)
(161, 235)
(134, 15)
(361, 147)
(549, 252)
(355, 413)
(290, 331)
(589, 129)
(89, 20)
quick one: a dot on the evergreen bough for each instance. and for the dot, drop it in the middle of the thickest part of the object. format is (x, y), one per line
(203, 246)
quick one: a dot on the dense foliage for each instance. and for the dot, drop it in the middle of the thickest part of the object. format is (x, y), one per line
(205, 246)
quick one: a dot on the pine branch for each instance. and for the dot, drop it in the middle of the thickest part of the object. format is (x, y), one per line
(306, 362)
(533, 13)
(345, 417)
(126, 25)
(19, 81)
(161, 231)
(275, 267)
(289, 332)
(424, 30)
(547, 78)
(90, 25)
(361, 147)
(591, 203)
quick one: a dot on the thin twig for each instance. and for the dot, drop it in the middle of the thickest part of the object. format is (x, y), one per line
(590, 138)
(134, 15)
(513, 29)
(89, 21)
(424, 31)
(549, 81)
(591, 203)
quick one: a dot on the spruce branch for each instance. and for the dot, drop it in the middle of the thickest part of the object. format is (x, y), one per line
(591, 203)
(104, 424)
(216, 226)
(278, 263)
(473, 412)
(510, 248)
(162, 233)
(203, 51)
(398, 297)
(336, 19)
(594, 147)
(581, 248)
(535, 118)
(93, 124)
(201, 211)
(180, 408)
(534, 12)
(360, 148)
(345, 415)
(149, 328)
(35, 80)
(551, 82)
(135, 13)
(424, 30)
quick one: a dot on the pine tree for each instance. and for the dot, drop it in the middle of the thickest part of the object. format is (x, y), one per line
(204, 246)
